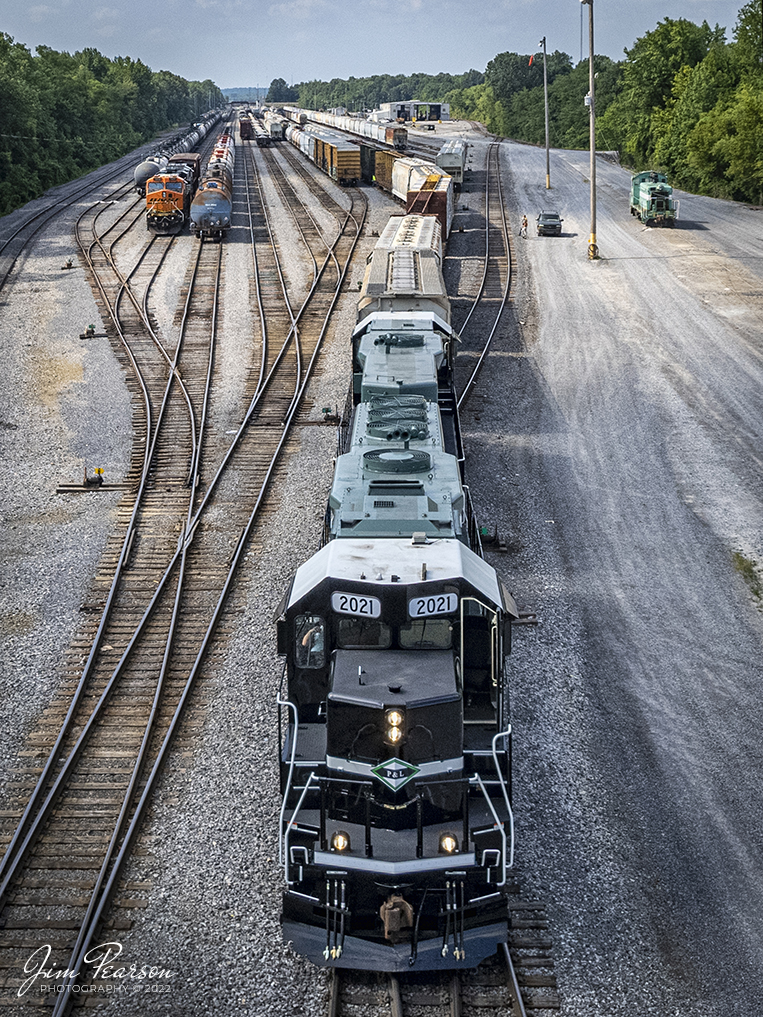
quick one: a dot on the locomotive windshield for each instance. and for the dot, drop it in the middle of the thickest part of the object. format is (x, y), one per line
(363, 633)
(426, 634)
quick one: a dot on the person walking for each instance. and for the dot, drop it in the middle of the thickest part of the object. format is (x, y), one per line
(523, 227)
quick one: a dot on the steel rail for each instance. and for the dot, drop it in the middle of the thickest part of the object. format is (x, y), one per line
(395, 996)
(256, 265)
(294, 318)
(56, 208)
(517, 1006)
(16, 848)
(21, 840)
(28, 827)
(488, 342)
(101, 892)
(283, 178)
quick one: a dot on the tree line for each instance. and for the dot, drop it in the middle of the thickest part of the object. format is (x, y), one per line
(64, 114)
(684, 101)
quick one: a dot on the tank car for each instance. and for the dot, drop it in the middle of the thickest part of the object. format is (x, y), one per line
(147, 169)
(185, 141)
(396, 831)
(651, 199)
(211, 208)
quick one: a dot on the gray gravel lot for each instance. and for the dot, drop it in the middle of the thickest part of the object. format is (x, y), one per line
(615, 440)
(628, 432)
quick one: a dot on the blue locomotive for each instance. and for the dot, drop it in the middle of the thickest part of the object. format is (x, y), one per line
(396, 829)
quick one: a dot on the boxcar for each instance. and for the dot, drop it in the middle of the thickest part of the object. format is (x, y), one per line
(452, 159)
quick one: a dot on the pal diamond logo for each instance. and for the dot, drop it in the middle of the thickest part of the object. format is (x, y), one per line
(395, 773)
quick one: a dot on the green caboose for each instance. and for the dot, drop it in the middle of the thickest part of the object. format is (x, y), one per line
(651, 199)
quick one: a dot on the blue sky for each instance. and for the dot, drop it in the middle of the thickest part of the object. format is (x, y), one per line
(240, 42)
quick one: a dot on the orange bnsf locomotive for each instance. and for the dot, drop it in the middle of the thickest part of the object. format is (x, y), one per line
(169, 194)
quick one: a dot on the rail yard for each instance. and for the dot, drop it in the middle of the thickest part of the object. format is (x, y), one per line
(612, 450)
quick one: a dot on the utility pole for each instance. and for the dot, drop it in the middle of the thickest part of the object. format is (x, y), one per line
(545, 99)
(593, 250)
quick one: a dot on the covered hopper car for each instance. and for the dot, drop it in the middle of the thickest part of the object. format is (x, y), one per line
(386, 134)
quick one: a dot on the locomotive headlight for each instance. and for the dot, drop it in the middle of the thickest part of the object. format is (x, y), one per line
(394, 720)
(448, 844)
(340, 841)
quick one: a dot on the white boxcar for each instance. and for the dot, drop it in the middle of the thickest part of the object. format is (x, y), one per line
(452, 159)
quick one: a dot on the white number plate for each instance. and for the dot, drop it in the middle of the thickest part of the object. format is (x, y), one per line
(352, 603)
(439, 603)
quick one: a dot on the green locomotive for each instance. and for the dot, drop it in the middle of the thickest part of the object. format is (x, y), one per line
(651, 199)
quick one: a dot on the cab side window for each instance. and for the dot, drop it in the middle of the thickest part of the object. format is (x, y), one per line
(310, 641)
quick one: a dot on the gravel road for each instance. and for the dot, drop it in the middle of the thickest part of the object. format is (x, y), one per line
(615, 440)
(623, 413)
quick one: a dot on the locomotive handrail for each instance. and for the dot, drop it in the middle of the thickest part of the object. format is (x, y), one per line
(281, 836)
(473, 529)
(499, 827)
(504, 734)
(283, 846)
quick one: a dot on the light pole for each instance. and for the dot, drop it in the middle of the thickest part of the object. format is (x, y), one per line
(593, 250)
(545, 100)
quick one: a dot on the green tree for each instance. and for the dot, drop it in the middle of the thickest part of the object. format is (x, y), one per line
(748, 33)
(279, 91)
(63, 115)
(725, 148)
(647, 82)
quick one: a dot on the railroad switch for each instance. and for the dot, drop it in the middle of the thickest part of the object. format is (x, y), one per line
(329, 417)
(96, 480)
(69, 264)
(90, 333)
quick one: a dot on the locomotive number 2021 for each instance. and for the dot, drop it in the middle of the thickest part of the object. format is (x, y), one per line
(351, 603)
(441, 603)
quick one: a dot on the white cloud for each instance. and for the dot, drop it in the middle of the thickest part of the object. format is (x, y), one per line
(40, 13)
(297, 10)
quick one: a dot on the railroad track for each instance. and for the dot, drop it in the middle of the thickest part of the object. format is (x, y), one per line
(477, 315)
(160, 593)
(16, 239)
(517, 981)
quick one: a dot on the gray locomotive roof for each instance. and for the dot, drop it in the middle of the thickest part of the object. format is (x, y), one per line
(378, 560)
